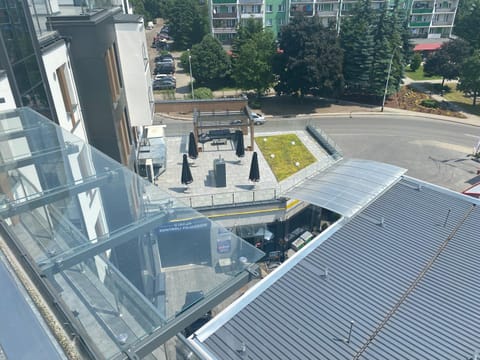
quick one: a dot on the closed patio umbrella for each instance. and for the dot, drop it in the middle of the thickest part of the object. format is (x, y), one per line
(254, 170)
(240, 147)
(186, 173)
(192, 147)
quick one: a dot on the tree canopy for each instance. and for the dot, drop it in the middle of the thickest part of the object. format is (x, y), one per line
(188, 22)
(447, 61)
(310, 59)
(375, 44)
(252, 62)
(210, 62)
(467, 20)
(469, 80)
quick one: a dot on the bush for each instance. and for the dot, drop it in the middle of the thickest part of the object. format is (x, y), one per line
(203, 93)
(429, 103)
(416, 62)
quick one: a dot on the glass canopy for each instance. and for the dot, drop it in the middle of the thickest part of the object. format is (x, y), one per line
(123, 258)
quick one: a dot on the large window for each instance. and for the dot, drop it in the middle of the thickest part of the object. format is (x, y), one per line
(67, 93)
(113, 73)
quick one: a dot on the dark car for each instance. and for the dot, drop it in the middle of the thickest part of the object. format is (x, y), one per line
(163, 57)
(164, 85)
(165, 69)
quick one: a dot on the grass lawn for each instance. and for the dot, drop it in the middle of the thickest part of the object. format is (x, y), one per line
(289, 154)
(459, 98)
(418, 75)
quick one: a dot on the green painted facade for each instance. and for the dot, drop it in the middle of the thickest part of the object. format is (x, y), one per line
(276, 15)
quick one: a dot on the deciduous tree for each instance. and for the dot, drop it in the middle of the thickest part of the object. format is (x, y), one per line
(447, 61)
(469, 80)
(310, 60)
(252, 66)
(210, 62)
(188, 22)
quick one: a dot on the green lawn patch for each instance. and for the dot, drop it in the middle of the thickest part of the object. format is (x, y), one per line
(289, 154)
(419, 75)
(462, 101)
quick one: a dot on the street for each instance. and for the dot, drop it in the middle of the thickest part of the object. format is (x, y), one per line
(432, 150)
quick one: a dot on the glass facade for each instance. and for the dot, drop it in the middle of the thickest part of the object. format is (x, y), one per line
(123, 258)
(19, 52)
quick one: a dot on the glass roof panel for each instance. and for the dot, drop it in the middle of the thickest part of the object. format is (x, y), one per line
(123, 256)
(347, 186)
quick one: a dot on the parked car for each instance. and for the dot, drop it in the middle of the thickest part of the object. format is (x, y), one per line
(165, 77)
(164, 85)
(164, 69)
(163, 57)
(258, 119)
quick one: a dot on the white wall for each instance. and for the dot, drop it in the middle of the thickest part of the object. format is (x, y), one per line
(6, 96)
(133, 54)
(53, 59)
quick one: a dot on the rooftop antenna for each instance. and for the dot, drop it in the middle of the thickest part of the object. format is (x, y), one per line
(347, 339)
(446, 219)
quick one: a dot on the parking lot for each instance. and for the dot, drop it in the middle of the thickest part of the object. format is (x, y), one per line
(182, 76)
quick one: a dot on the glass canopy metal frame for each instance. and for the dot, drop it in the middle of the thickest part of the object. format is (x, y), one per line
(129, 265)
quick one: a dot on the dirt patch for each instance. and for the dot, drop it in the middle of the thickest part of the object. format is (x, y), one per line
(410, 99)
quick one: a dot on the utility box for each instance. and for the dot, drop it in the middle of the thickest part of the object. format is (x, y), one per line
(219, 172)
(151, 156)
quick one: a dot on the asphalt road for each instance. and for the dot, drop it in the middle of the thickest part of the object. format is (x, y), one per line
(432, 150)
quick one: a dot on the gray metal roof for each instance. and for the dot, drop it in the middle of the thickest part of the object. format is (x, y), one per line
(404, 271)
(347, 186)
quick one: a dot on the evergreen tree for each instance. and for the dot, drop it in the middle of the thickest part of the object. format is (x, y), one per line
(210, 62)
(358, 46)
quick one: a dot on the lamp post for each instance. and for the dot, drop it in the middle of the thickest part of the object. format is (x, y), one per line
(388, 77)
(191, 78)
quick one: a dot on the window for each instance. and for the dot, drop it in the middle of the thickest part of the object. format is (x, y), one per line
(269, 8)
(67, 93)
(124, 135)
(281, 8)
(256, 9)
(113, 73)
(268, 22)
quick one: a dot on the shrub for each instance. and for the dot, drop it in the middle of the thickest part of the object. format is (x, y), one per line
(429, 103)
(416, 62)
(203, 93)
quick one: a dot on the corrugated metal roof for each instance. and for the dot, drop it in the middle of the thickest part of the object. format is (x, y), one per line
(347, 186)
(410, 283)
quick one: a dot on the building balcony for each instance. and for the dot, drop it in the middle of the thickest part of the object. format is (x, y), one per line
(225, 15)
(321, 13)
(419, 23)
(224, 30)
(251, 16)
(301, 1)
(443, 23)
(445, 10)
(250, 2)
(422, 11)
(224, 1)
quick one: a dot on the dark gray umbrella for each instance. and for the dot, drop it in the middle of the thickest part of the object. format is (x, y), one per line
(240, 147)
(254, 170)
(192, 147)
(186, 173)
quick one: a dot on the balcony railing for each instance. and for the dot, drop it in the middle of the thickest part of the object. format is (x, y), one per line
(224, 1)
(419, 24)
(445, 10)
(442, 23)
(422, 11)
(225, 15)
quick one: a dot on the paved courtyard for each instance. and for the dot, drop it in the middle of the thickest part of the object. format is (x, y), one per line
(203, 191)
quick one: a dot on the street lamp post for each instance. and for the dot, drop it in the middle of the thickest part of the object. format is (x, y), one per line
(388, 77)
(191, 78)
